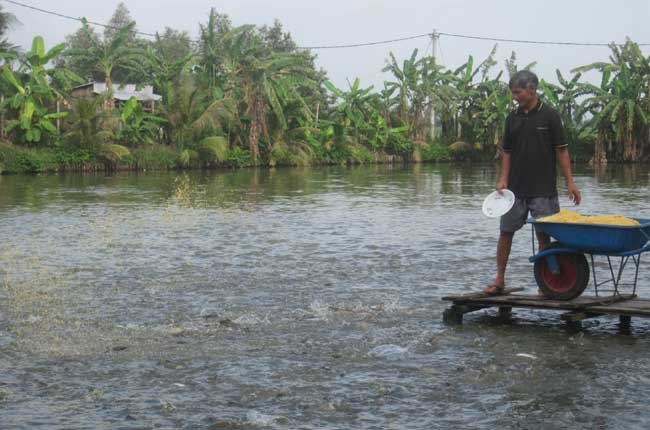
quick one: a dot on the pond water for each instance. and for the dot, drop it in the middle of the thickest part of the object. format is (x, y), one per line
(294, 298)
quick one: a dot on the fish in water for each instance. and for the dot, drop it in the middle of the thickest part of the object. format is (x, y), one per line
(524, 355)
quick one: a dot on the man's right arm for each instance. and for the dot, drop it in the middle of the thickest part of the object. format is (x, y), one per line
(505, 172)
(506, 146)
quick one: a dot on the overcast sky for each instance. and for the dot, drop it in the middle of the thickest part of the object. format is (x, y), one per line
(334, 22)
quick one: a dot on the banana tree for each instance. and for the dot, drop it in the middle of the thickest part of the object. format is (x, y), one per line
(494, 110)
(620, 105)
(564, 97)
(32, 97)
(421, 86)
(470, 95)
(407, 80)
(354, 110)
(438, 88)
(138, 126)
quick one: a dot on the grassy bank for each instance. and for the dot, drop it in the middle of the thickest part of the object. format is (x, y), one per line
(20, 159)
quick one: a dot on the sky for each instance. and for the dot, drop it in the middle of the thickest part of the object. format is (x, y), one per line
(334, 22)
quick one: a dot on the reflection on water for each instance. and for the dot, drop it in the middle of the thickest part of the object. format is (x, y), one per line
(293, 298)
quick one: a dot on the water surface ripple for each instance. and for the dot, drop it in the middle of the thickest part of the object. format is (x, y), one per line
(293, 298)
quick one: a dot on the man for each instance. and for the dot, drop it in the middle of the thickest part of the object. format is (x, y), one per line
(534, 140)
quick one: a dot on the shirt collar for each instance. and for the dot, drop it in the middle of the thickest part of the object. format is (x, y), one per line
(537, 108)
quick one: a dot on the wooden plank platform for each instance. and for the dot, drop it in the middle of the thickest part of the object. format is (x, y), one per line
(626, 305)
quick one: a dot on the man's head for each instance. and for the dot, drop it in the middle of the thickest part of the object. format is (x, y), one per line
(523, 85)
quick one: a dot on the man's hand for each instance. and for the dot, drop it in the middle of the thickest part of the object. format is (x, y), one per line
(574, 193)
(502, 185)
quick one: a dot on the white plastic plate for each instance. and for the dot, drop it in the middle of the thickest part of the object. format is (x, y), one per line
(497, 204)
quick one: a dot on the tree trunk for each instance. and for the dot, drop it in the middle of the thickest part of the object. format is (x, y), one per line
(2, 118)
(432, 116)
(109, 88)
(600, 156)
(255, 112)
(628, 148)
(58, 110)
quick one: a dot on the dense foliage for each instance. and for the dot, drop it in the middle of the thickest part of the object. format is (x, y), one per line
(246, 95)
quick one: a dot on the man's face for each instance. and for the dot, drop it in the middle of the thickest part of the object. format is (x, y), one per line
(523, 96)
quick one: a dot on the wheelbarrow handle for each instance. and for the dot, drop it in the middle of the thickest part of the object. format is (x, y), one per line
(564, 250)
(553, 251)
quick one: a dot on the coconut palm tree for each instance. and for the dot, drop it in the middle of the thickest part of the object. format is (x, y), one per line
(194, 115)
(107, 56)
(264, 80)
(7, 49)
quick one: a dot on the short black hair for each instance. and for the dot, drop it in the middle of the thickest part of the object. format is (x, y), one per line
(523, 79)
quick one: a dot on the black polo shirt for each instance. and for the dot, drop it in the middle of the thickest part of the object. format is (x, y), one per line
(531, 139)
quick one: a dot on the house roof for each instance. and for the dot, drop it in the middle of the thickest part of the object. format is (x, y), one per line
(124, 91)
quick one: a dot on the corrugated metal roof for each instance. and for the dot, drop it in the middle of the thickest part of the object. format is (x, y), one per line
(124, 91)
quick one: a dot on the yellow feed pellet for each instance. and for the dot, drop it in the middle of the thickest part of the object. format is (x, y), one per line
(568, 216)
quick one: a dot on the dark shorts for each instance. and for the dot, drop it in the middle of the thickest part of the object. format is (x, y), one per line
(537, 206)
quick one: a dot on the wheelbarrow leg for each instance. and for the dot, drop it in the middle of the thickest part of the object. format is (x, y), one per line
(553, 265)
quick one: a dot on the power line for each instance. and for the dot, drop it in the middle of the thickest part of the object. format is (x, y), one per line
(353, 45)
(536, 42)
(464, 36)
(358, 45)
(49, 12)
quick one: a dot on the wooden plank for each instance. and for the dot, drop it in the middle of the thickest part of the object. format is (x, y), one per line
(579, 308)
(533, 303)
(622, 309)
(481, 294)
(543, 302)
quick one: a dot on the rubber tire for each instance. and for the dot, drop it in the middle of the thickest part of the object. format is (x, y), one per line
(575, 264)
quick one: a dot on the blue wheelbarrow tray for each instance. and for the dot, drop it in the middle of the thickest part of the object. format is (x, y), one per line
(601, 239)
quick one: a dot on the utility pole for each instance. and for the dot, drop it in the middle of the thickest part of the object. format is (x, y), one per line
(434, 45)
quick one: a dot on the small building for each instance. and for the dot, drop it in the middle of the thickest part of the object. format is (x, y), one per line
(121, 93)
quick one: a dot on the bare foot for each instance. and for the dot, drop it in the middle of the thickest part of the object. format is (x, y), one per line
(494, 288)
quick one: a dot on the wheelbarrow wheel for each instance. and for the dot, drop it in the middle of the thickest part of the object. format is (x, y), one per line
(570, 282)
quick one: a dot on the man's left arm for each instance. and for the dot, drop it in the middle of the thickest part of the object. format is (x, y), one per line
(565, 165)
(562, 151)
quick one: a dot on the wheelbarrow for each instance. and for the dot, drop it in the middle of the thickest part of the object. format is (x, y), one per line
(561, 269)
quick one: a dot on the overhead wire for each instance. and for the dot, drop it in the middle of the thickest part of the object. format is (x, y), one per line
(61, 15)
(352, 45)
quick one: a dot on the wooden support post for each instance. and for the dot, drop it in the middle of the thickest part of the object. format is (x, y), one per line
(624, 322)
(574, 325)
(505, 312)
(452, 315)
